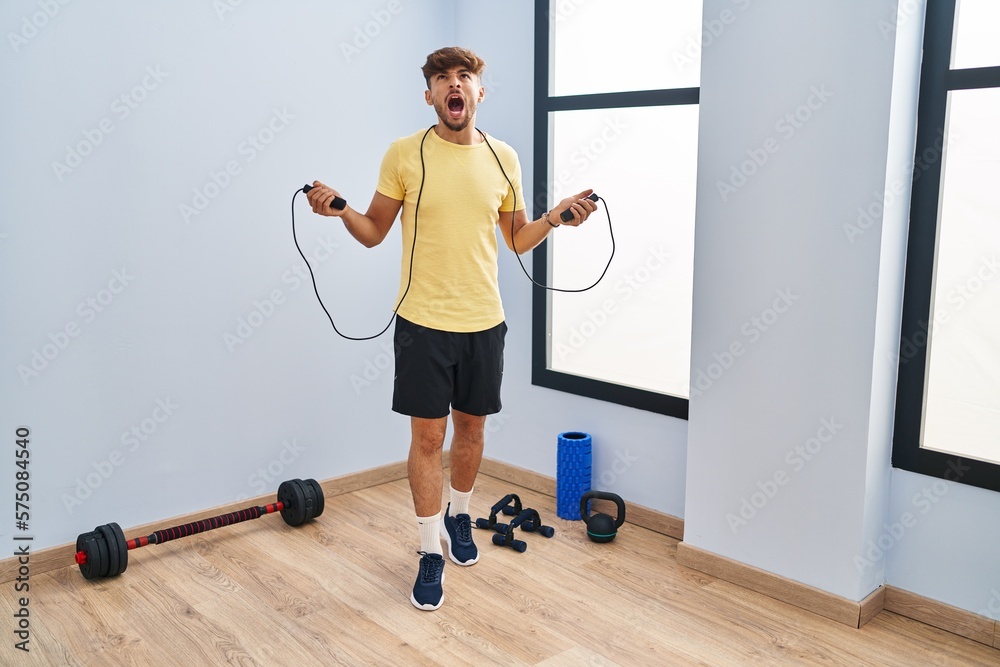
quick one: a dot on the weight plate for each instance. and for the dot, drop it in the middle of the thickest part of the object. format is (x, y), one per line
(320, 497)
(309, 493)
(291, 495)
(122, 546)
(112, 547)
(87, 543)
(101, 546)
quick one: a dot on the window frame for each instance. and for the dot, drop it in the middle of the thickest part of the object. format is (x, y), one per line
(937, 79)
(545, 104)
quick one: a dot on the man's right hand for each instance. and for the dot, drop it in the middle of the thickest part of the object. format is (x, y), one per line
(320, 197)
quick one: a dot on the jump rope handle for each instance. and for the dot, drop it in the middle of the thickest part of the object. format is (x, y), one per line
(339, 203)
(567, 215)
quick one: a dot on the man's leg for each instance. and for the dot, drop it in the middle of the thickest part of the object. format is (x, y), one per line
(466, 449)
(423, 466)
(466, 455)
(426, 478)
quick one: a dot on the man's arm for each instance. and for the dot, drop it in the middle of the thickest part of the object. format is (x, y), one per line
(369, 229)
(528, 234)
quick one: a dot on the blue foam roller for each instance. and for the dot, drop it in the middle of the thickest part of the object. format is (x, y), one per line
(573, 467)
(574, 477)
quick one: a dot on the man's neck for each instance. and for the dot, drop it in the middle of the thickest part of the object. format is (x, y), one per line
(465, 137)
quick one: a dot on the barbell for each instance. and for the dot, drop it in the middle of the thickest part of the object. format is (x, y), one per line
(103, 552)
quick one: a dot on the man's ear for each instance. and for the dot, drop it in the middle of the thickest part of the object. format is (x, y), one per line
(427, 97)
(482, 93)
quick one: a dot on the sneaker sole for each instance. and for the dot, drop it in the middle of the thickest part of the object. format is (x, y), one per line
(429, 607)
(447, 538)
(426, 607)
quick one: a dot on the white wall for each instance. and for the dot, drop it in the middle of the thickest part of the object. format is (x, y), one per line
(941, 542)
(279, 405)
(779, 444)
(894, 204)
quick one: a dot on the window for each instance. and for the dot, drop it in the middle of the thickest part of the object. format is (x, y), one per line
(618, 112)
(948, 399)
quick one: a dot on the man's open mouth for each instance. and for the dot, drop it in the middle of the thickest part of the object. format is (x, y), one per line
(456, 106)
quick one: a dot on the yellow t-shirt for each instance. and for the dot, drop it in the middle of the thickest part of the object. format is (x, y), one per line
(454, 286)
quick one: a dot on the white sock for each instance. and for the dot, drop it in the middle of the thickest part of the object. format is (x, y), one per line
(430, 533)
(460, 501)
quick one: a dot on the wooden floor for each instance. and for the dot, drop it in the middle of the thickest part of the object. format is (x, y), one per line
(336, 591)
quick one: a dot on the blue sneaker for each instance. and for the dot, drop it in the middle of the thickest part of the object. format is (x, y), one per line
(457, 531)
(427, 593)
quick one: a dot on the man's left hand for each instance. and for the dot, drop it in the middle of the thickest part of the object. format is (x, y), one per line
(578, 205)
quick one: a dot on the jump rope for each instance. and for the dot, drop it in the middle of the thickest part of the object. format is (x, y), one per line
(339, 203)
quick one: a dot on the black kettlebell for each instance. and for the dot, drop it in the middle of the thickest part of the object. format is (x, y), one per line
(601, 527)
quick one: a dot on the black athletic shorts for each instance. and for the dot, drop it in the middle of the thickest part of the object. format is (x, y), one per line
(437, 369)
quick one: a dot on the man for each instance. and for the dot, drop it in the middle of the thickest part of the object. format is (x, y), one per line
(449, 320)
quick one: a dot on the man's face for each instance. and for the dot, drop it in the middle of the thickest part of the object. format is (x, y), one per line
(455, 94)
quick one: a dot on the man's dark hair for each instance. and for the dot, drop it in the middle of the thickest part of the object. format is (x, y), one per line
(444, 59)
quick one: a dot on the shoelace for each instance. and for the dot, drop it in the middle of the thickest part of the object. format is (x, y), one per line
(463, 526)
(430, 568)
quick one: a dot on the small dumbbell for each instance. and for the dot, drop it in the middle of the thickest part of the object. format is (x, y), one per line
(506, 539)
(532, 523)
(496, 526)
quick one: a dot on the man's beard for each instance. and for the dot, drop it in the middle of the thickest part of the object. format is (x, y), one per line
(455, 124)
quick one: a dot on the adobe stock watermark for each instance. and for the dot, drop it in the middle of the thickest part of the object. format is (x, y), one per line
(225, 7)
(490, 85)
(265, 308)
(384, 360)
(867, 215)
(494, 424)
(121, 108)
(957, 297)
(621, 464)
(992, 609)
(711, 30)
(595, 320)
(923, 502)
(585, 154)
(33, 24)
(268, 476)
(796, 459)
(897, 17)
(370, 30)
(564, 9)
(786, 126)
(247, 151)
(137, 436)
(87, 311)
(752, 330)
